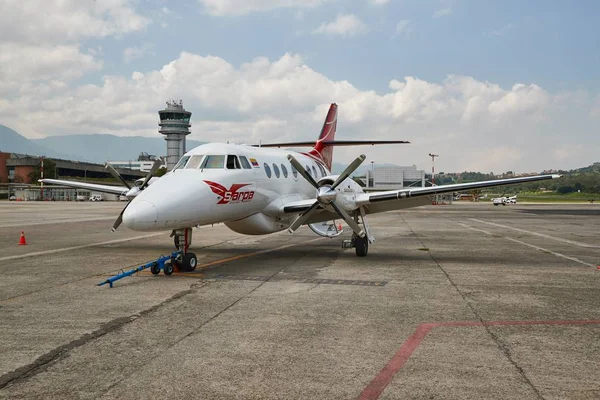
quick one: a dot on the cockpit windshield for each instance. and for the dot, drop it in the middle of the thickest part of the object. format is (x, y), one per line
(194, 162)
(181, 162)
(213, 162)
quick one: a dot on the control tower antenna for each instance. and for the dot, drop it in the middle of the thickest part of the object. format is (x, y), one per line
(175, 125)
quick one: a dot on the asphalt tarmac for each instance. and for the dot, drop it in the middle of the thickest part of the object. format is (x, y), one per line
(467, 301)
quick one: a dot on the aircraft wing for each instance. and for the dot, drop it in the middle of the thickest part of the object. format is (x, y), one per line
(120, 190)
(395, 199)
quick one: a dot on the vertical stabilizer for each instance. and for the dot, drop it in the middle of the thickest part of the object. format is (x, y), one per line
(321, 149)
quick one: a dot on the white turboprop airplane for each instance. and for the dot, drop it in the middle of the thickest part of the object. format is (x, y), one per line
(261, 190)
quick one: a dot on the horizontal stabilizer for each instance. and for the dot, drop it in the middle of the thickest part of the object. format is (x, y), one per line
(334, 143)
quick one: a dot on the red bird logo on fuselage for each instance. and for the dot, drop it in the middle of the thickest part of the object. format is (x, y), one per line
(231, 195)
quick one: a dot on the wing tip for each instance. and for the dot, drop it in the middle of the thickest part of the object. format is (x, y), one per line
(556, 176)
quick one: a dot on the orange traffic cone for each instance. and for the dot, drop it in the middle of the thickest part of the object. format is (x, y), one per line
(22, 240)
(340, 226)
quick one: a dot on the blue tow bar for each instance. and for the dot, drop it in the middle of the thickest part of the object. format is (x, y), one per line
(160, 263)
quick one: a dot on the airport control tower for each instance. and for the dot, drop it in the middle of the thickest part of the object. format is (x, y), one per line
(175, 125)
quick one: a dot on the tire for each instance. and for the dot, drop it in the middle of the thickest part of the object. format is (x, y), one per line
(155, 269)
(361, 246)
(168, 268)
(189, 262)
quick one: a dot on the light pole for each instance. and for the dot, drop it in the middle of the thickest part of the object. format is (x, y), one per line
(371, 180)
(433, 156)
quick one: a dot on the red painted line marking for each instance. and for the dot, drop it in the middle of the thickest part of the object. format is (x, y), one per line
(385, 376)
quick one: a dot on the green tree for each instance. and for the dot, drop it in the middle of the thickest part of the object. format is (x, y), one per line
(49, 170)
(161, 171)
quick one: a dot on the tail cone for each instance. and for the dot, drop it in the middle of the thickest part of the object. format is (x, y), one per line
(22, 240)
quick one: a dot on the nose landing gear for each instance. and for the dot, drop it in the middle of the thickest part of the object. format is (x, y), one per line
(186, 261)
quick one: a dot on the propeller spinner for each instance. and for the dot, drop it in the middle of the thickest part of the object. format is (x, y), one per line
(327, 195)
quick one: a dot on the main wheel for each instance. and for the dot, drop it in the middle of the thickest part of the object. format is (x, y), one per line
(168, 268)
(361, 245)
(189, 262)
(155, 269)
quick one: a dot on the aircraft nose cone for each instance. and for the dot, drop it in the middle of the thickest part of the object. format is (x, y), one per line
(140, 214)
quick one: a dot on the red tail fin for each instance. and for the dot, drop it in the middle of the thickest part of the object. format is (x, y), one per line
(322, 150)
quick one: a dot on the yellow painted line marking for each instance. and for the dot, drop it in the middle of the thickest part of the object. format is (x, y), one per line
(233, 258)
(265, 251)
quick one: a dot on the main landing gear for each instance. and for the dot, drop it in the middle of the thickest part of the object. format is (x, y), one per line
(360, 243)
(186, 261)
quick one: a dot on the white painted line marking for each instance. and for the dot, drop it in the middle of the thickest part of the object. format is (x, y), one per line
(58, 221)
(530, 245)
(85, 246)
(537, 234)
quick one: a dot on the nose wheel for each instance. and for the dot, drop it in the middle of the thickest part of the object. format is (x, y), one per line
(187, 261)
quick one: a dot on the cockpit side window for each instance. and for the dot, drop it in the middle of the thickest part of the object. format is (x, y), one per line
(213, 162)
(245, 162)
(194, 162)
(181, 162)
(233, 162)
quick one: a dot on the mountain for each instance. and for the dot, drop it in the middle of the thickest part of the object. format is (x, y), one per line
(100, 148)
(12, 142)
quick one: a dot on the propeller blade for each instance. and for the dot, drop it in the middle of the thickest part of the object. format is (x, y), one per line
(302, 171)
(349, 220)
(116, 174)
(349, 169)
(155, 166)
(119, 219)
(302, 218)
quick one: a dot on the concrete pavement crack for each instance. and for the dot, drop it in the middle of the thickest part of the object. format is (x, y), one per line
(499, 343)
(43, 362)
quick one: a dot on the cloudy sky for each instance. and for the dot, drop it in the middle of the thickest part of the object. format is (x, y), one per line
(488, 85)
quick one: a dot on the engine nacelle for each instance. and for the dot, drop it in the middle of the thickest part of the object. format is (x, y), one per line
(327, 180)
(257, 224)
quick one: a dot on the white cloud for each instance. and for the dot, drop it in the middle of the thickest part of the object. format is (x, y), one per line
(442, 12)
(472, 124)
(380, 2)
(67, 20)
(403, 28)
(344, 25)
(243, 7)
(25, 64)
(133, 53)
(501, 31)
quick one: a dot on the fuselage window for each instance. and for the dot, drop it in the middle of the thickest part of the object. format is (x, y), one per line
(276, 170)
(245, 162)
(284, 170)
(181, 162)
(233, 162)
(267, 170)
(314, 171)
(294, 172)
(213, 162)
(194, 162)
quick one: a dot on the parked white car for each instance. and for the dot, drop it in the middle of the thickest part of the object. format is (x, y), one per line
(96, 197)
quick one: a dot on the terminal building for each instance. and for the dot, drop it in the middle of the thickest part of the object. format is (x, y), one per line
(16, 170)
(144, 163)
(394, 177)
